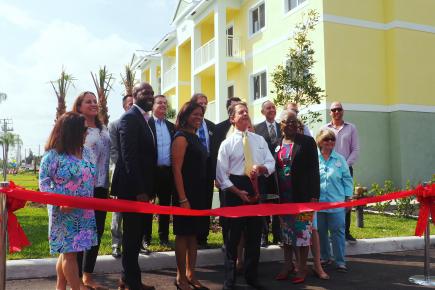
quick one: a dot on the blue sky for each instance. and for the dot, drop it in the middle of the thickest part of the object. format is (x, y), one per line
(37, 38)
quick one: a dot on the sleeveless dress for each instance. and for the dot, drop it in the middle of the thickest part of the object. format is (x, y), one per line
(68, 175)
(194, 179)
(295, 229)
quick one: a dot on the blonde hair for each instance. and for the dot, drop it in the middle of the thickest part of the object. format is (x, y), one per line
(323, 134)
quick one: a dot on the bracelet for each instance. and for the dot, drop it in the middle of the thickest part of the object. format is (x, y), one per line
(183, 200)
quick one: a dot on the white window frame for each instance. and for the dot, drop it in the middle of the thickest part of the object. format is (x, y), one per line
(252, 89)
(288, 11)
(250, 20)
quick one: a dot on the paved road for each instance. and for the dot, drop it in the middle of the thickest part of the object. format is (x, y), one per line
(379, 271)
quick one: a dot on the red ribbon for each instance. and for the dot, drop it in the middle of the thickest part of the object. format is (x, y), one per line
(117, 205)
(17, 237)
(426, 198)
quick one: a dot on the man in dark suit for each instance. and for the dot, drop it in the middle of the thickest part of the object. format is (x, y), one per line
(206, 135)
(220, 134)
(164, 185)
(134, 179)
(271, 132)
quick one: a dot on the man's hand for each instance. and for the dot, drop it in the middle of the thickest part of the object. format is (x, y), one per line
(185, 204)
(243, 195)
(143, 197)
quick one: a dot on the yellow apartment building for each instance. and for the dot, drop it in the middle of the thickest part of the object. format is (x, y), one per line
(375, 56)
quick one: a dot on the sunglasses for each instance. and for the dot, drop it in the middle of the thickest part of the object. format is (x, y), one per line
(336, 110)
(329, 139)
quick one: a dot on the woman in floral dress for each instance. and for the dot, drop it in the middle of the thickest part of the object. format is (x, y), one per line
(98, 142)
(66, 169)
(297, 169)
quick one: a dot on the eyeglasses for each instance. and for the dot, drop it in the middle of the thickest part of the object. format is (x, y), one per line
(290, 122)
(336, 110)
(329, 139)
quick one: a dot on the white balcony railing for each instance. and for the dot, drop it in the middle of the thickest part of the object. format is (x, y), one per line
(169, 78)
(205, 53)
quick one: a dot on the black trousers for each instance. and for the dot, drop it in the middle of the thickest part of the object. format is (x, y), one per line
(165, 192)
(86, 260)
(270, 187)
(348, 213)
(133, 230)
(251, 227)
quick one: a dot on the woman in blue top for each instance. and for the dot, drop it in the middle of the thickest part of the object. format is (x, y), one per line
(66, 169)
(336, 185)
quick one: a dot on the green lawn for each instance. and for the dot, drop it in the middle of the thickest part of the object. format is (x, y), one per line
(28, 180)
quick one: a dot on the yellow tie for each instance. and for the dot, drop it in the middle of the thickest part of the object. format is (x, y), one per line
(248, 154)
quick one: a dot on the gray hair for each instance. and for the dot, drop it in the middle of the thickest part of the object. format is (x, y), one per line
(285, 114)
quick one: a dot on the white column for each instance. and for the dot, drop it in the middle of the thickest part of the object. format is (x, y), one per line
(177, 78)
(153, 75)
(194, 45)
(220, 24)
(162, 72)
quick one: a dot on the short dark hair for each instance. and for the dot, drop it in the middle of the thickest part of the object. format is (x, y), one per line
(196, 96)
(124, 98)
(184, 114)
(232, 99)
(68, 134)
(232, 108)
(77, 104)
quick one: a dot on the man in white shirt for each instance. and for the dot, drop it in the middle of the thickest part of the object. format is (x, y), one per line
(243, 157)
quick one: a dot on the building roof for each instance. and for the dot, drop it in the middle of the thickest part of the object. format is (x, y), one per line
(183, 7)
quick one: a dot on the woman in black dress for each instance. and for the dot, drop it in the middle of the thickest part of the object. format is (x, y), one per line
(189, 161)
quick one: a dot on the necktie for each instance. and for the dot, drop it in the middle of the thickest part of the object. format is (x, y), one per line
(202, 137)
(247, 153)
(272, 133)
(147, 117)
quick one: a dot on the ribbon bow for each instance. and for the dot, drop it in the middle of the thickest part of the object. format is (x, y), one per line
(16, 236)
(426, 198)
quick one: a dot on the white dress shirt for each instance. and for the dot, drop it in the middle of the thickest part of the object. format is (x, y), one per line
(231, 159)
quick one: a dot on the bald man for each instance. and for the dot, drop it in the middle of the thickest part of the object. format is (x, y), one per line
(347, 144)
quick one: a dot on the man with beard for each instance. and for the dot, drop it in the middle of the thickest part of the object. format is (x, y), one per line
(134, 179)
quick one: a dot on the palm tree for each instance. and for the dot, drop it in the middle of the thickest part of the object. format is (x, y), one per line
(103, 84)
(3, 97)
(129, 79)
(60, 87)
(7, 140)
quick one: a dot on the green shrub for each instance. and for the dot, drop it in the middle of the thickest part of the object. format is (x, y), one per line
(377, 190)
(405, 206)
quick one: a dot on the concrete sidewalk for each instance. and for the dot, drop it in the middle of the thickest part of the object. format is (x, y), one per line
(41, 268)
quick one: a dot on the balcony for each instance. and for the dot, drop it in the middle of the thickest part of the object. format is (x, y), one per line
(205, 55)
(169, 78)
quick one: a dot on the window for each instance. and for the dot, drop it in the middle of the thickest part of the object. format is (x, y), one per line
(230, 92)
(257, 18)
(292, 4)
(259, 82)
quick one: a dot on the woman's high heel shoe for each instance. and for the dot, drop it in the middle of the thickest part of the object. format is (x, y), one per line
(197, 287)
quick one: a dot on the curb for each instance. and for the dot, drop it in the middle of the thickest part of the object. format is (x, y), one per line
(42, 268)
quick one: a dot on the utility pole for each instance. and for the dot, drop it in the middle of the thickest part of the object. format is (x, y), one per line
(6, 127)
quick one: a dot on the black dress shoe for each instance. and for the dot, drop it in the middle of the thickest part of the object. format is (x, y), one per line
(256, 285)
(116, 252)
(264, 243)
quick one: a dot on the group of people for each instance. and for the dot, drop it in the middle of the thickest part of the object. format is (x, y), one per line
(180, 164)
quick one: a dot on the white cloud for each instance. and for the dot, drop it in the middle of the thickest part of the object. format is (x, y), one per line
(31, 101)
(18, 16)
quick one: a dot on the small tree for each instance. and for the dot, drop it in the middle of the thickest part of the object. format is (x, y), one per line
(7, 140)
(60, 87)
(129, 79)
(294, 81)
(103, 84)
